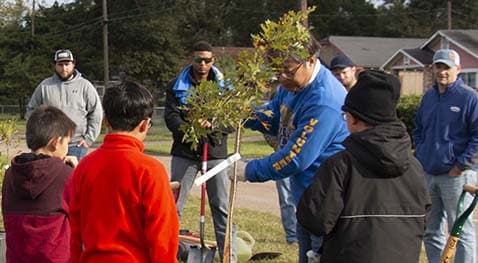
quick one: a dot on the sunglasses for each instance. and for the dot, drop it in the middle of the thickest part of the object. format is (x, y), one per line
(199, 60)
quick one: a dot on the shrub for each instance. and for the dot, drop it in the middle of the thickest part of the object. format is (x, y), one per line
(406, 109)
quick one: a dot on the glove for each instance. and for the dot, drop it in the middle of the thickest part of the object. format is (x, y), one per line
(468, 173)
(241, 176)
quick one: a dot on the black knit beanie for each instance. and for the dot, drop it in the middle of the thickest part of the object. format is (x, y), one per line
(373, 99)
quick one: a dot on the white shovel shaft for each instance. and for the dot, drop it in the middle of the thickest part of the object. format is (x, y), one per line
(216, 169)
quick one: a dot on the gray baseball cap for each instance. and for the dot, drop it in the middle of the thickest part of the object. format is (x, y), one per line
(448, 57)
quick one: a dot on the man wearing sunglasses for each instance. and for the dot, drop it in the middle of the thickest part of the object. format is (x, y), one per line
(306, 116)
(185, 162)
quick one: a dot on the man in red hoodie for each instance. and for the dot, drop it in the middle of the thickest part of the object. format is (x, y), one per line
(33, 208)
(123, 209)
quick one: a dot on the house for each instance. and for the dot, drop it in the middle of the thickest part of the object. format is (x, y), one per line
(365, 52)
(413, 66)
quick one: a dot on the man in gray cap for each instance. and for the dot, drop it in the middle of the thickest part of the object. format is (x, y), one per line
(446, 138)
(76, 97)
(344, 70)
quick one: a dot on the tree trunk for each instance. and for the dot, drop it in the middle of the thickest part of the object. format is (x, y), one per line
(22, 107)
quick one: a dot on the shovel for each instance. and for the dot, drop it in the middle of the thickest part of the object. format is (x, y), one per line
(203, 254)
(452, 242)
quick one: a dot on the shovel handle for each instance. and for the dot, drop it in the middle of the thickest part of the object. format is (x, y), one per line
(197, 241)
(203, 195)
(453, 239)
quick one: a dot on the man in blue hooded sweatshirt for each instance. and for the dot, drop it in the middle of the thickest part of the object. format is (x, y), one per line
(446, 138)
(306, 116)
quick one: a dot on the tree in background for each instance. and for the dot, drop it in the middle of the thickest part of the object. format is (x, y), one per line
(147, 38)
(244, 17)
(344, 17)
(11, 12)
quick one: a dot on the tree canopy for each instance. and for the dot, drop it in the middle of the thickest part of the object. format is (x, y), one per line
(149, 40)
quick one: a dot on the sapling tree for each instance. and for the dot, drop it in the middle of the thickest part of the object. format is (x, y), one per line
(229, 103)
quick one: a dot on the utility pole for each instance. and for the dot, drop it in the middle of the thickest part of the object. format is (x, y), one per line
(449, 15)
(303, 8)
(106, 70)
(33, 18)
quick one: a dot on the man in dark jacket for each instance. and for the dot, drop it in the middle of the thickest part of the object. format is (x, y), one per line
(369, 200)
(186, 162)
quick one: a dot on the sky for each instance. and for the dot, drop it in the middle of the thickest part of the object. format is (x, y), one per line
(50, 2)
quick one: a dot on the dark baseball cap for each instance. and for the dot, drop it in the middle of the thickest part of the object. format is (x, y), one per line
(341, 61)
(63, 55)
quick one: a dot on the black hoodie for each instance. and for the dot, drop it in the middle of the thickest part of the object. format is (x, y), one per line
(368, 201)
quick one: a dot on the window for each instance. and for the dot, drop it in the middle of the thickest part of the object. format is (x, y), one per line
(470, 79)
(444, 43)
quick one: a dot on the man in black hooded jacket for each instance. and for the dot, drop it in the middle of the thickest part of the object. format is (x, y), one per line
(369, 200)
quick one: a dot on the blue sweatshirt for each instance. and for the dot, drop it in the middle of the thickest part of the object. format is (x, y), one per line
(446, 132)
(309, 126)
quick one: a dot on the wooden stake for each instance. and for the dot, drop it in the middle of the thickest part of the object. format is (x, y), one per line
(227, 258)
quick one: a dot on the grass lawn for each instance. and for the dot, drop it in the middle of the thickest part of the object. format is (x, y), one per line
(248, 149)
(266, 228)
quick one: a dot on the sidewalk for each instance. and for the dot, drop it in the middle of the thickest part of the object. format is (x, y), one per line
(256, 196)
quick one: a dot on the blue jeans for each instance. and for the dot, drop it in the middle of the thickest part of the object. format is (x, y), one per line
(184, 170)
(78, 151)
(287, 209)
(444, 192)
(307, 241)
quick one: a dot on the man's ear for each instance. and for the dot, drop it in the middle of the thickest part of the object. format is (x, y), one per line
(311, 61)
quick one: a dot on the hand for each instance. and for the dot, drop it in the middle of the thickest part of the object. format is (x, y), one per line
(71, 161)
(83, 143)
(240, 177)
(205, 123)
(455, 171)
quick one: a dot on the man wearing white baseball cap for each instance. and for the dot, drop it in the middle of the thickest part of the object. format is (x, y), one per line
(76, 97)
(446, 142)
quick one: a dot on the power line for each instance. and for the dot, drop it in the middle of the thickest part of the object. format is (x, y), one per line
(75, 28)
(137, 15)
(336, 14)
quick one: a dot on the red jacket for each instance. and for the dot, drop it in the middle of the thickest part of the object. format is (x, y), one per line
(122, 208)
